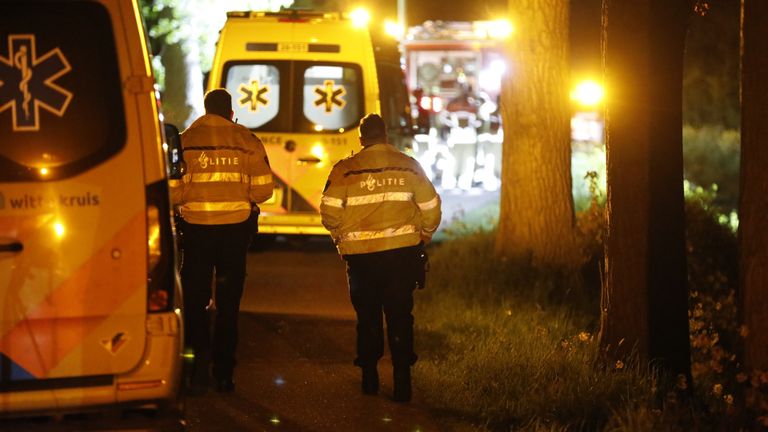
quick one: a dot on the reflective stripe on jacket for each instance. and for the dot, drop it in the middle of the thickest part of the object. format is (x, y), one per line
(227, 170)
(379, 199)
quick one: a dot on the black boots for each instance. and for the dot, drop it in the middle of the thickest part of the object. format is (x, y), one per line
(402, 382)
(402, 379)
(370, 380)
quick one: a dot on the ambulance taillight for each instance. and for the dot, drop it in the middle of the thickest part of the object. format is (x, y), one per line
(160, 277)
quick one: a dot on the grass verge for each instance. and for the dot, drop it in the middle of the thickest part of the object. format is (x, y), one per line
(500, 348)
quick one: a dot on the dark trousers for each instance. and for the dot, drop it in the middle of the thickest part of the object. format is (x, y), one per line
(223, 249)
(383, 282)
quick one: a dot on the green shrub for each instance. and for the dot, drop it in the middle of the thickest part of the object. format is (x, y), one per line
(500, 347)
(711, 160)
(735, 399)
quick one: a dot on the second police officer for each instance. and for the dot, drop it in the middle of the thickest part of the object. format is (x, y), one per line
(381, 209)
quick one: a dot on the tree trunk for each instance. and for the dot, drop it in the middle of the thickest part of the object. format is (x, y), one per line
(753, 206)
(183, 96)
(645, 297)
(536, 217)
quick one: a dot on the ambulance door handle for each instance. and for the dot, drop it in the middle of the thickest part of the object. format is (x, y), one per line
(11, 247)
(309, 159)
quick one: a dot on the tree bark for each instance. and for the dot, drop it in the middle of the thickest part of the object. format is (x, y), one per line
(644, 305)
(753, 205)
(536, 217)
(183, 96)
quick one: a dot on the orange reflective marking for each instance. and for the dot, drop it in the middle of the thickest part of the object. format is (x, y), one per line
(28, 229)
(57, 325)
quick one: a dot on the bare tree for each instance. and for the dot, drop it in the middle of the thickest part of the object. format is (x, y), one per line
(644, 303)
(753, 206)
(536, 217)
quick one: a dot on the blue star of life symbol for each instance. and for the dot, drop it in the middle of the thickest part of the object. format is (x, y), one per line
(330, 96)
(27, 82)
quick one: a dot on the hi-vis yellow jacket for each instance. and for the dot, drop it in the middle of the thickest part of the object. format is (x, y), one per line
(379, 199)
(227, 170)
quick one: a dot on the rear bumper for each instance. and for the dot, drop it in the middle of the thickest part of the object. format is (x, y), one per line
(296, 223)
(156, 379)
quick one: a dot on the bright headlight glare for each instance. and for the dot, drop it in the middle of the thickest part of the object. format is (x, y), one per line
(394, 29)
(588, 93)
(360, 17)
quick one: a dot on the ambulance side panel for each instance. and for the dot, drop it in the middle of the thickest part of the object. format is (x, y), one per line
(73, 205)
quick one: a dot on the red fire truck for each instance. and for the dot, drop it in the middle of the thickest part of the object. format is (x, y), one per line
(454, 70)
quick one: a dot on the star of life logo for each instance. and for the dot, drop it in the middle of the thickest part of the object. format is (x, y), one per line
(27, 83)
(253, 95)
(330, 96)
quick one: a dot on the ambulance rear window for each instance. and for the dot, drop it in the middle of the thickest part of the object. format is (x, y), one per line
(295, 96)
(332, 97)
(61, 106)
(255, 89)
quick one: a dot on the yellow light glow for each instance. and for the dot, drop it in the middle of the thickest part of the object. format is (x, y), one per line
(394, 29)
(44, 171)
(499, 29)
(274, 420)
(58, 229)
(318, 128)
(188, 356)
(588, 93)
(318, 151)
(153, 235)
(360, 17)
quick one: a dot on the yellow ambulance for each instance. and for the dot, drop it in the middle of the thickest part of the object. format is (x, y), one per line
(89, 293)
(301, 80)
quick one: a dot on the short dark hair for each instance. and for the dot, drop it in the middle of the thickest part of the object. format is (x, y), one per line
(218, 101)
(372, 130)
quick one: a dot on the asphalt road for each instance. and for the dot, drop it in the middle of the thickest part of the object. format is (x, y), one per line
(295, 371)
(297, 335)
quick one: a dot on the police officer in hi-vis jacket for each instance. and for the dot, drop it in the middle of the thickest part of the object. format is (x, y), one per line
(227, 174)
(381, 209)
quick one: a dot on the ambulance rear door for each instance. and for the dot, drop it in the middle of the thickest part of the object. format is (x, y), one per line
(306, 113)
(73, 218)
